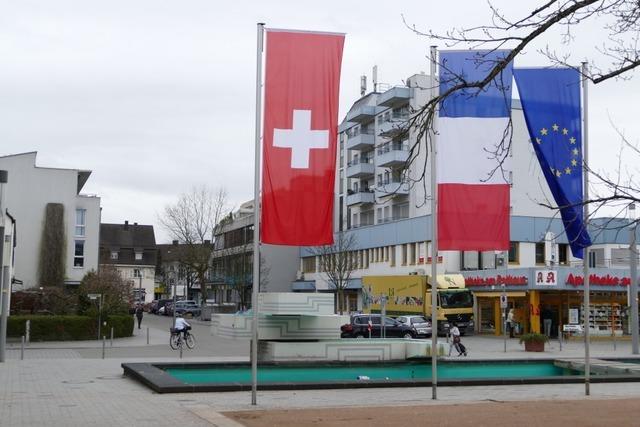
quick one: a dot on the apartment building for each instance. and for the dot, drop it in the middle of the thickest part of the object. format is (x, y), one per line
(34, 196)
(131, 249)
(387, 208)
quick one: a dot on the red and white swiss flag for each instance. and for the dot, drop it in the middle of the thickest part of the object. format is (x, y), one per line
(302, 80)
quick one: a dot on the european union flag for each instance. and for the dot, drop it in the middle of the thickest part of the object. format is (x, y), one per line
(551, 103)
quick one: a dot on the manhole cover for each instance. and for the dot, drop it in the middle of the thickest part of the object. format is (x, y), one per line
(77, 382)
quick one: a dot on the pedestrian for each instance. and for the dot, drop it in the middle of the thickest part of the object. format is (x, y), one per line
(139, 314)
(547, 320)
(511, 323)
(457, 344)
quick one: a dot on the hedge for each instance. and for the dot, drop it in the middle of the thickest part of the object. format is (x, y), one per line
(69, 328)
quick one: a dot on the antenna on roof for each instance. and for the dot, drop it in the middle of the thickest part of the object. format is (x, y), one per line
(363, 85)
(374, 78)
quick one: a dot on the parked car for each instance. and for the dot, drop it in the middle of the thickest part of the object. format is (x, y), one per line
(359, 327)
(159, 305)
(419, 323)
(188, 307)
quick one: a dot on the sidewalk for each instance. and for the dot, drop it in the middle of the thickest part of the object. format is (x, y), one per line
(58, 389)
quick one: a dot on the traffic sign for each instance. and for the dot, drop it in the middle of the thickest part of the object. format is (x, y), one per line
(503, 300)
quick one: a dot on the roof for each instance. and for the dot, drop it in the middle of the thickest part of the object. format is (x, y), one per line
(127, 240)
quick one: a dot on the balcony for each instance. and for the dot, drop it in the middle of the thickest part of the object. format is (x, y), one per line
(390, 156)
(392, 188)
(360, 168)
(394, 124)
(361, 114)
(361, 197)
(395, 95)
(361, 141)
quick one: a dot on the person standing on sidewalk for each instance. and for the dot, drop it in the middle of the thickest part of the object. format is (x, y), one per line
(547, 320)
(511, 323)
(139, 314)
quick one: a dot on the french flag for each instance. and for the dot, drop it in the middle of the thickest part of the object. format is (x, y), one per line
(473, 190)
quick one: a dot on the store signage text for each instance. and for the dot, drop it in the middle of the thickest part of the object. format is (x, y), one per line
(597, 280)
(497, 280)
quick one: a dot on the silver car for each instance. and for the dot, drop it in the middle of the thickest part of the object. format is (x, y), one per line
(420, 323)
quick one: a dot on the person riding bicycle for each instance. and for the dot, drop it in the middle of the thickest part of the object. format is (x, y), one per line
(181, 325)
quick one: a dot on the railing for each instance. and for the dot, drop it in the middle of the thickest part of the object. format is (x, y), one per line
(388, 148)
(359, 132)
(360, 190)
(360, 161)
(391, 219)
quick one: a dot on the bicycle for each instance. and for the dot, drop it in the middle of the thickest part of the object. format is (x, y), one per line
(177, 339)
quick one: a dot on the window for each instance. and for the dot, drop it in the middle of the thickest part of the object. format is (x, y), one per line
(114, 254)
(138, 256)
(80, 222)
(539, 253)
(78, 255)
(309, 264)
(412, 253)
(137, 273)
(404, 254)
(563, 250)
(514, 253)
(392, 251)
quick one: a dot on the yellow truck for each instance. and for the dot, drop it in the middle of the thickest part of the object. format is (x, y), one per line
(411, 294)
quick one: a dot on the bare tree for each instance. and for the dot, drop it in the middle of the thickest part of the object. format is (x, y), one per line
(192, 221)
(337, 262)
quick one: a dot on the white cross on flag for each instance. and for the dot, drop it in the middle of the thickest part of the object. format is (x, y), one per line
(302, 80)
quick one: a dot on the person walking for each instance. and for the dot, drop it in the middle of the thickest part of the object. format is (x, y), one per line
(139, 314)
(511, 323)
(547, 320)
(455, 334)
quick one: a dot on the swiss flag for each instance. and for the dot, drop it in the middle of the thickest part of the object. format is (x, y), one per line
(302, 80)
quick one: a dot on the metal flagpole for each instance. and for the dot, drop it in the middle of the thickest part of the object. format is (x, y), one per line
(585, 197)
(434, 238)
(256, 222)
(633, 288)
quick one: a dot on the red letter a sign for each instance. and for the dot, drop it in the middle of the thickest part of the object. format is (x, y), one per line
(302, 81)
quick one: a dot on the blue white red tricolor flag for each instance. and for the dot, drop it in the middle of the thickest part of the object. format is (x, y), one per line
(302, 79)
(473, 206)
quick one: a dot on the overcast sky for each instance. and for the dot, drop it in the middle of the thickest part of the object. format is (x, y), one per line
(156, 96)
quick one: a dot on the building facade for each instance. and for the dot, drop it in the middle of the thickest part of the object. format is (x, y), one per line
(7, 245)
(386, 207)
(131, 249)
(232, 261)
(174, 274)
(32, 192)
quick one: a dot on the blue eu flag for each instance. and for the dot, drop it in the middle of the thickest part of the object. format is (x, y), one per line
(551, 103)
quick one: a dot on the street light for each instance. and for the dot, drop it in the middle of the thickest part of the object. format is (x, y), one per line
(633, 288)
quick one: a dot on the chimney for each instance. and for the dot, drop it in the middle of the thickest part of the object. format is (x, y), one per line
(374, 78)
(135, 224)
(207, 242)
(126, 225)
(174, 243)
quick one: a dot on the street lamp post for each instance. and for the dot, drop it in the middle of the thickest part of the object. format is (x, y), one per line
(175, 291)
(633, 288)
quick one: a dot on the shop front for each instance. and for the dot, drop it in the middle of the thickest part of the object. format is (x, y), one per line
(545, 300)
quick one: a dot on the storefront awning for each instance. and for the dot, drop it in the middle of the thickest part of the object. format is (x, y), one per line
(497, 294)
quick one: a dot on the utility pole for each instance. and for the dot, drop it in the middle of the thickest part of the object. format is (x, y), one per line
(633, 288)
(5, 282)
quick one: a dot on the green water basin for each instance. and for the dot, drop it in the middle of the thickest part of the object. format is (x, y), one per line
(383, 372)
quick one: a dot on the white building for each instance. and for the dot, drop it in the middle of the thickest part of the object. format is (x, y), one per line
(390, 215)
(32, 188)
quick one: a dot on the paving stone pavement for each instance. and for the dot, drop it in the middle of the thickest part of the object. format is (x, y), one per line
(67, 384)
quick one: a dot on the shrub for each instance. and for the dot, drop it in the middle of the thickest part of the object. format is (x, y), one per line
(533, 337)
(69, 328)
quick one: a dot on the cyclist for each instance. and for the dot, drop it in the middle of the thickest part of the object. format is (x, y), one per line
(181, 325)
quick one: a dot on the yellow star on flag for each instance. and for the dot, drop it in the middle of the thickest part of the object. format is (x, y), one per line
(567, 171)
(538, 140)
(575, 151)
(572, 140)
(558, 173)
(544, 131)
(574, 162)
(565, 131)
(555, 127)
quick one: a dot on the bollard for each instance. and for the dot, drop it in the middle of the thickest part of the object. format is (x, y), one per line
(180, 351)
(22, 348)
(560, 336)
(614, 338)
(104, 343)
(147, 335)
(27, 329)
(112, 336)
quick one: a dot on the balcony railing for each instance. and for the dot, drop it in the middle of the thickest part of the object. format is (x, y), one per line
(395, 95)
(362, 196)
(361, 140)
(393, 155)
(392, 187)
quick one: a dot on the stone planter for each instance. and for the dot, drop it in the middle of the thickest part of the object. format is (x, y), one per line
(534, 346)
